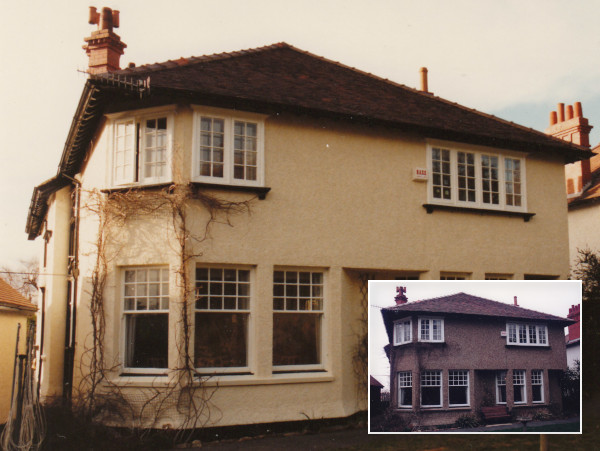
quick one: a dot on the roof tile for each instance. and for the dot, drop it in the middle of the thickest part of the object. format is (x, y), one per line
(9, 297)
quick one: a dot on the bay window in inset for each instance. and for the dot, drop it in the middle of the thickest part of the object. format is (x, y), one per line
(222, 314)
(431, 389)
(298, 299)
(458, 388)
(404, 389)
(146, 310)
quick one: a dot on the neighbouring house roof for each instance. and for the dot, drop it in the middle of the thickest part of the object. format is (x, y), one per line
(281, 78)
(374, 382)
(9, 297)
(590, 195)
(464, 304)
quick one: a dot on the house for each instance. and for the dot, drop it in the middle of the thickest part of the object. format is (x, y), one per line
(573, 337)
(451, 355)
(582, 179)
(218, 218)
(374, 395)
(14, 313)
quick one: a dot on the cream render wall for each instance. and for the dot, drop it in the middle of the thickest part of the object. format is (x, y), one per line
(342, 200)
(583, 232)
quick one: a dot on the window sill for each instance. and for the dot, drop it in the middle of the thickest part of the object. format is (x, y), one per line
(512, 345)
(260, 191)
(482, 211)
(137, 187)
(287, 378)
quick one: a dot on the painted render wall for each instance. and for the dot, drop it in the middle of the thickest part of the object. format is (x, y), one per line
(341, 200)
(583, 230)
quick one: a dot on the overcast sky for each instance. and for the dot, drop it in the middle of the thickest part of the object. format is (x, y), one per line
(553, 297)
(514, 59)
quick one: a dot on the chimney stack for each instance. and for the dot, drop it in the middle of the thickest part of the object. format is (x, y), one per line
(104, 47)
(401, 296)
(424, 87)
(576, 129)
(574, 330)
(516, 302)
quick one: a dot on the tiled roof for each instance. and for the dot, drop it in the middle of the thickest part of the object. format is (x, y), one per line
(281, 75)
(590, 195)
(9, 297)
(375, 382)
(466, 305)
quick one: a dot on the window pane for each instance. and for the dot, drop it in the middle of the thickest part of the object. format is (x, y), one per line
(296, 338)
(457, 395)
(221, 339)
(147, 340)
(430, 396)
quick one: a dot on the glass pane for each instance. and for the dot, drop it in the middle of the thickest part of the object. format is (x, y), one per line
(229, 303)
(129, 290)
(129, 304)
(243, 303)
(141, 290)
(164, 303)
(278, 304)
(296, 338)
(154, 289)
(140, 275)
(230, 275)
(153, 303)
(147, 340)
(129, 276)
(243, 275)
(202, 303)
(291, 304)
(141, 304)
(230, 289)
(278, 276)
(216, 303)
(221, 340)
(216, 274)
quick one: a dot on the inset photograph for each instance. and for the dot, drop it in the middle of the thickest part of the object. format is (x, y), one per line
(474, 356)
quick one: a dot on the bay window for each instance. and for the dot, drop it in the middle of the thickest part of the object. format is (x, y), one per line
(404, 389)
(297, 315)
(476, 179)
(222, 313)
(431, 389)
(402, 331)
(146, 311)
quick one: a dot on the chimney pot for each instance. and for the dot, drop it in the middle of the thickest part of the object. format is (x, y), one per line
(553, 118)
(115, 18)
(94, 16)
(561, 112)
(107, 23)
(423, 72)
(516, 301)
(578, 110)
(569, 112)
(104, 48)
(401, 296)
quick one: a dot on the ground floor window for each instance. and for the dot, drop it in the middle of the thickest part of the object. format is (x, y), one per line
(501, 387)
(519, 387)
(405, 389)
(537, 385)
(146, 309)
(458, 388)
(431, 389)
(222, 313)
(297, 314)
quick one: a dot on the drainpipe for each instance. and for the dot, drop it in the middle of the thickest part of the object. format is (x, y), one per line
(71, 322)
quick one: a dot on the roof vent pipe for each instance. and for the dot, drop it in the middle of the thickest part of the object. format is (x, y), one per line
(423, 72)
(516, 301)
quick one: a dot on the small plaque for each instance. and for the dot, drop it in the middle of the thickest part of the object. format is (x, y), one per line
(503, 333)
(420, 174)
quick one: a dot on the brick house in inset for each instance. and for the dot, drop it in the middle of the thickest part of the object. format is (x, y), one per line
(452, 355)
(573, 338)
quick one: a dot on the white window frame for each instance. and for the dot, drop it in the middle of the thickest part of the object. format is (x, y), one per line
(247, 311)
(500, 382)
(521, 376)
(127, 312)
(229, 117)
(478, 152)
(429, 320)
(321, 312)
(537, 381)
(438, 375)
(404, 379)
(541, 332)
(138, 156)
(452, 382)
(401, 327)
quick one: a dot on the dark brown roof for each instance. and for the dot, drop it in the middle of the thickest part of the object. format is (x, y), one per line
(282, 78)
(467, 305)
(9, 297)
(591, 195)
(375, 382)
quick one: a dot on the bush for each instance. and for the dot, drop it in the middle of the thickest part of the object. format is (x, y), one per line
(542, 415)
(390, 421)
(467, 421)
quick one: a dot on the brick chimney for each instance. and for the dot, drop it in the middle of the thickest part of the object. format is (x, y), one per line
(104, 48)
(401, 296)
(516, 303)
(574, 330)
(573, 127)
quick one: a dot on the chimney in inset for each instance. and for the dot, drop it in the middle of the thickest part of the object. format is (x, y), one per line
(104, 47)
(423, 72)
(516, 301)
(574, 330)
(401, 296)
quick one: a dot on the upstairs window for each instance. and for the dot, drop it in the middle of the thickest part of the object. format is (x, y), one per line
(142, 150)
(431, 329)
(475, 179)
(522, 334)
(227, 149)
(402, 331)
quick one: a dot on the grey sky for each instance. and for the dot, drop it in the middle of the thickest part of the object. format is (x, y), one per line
(553, 297)
(514, 59)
